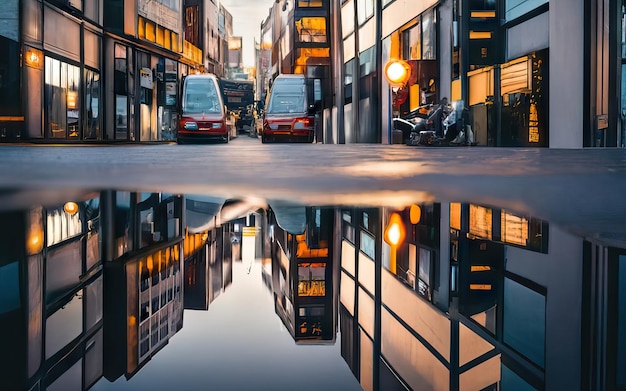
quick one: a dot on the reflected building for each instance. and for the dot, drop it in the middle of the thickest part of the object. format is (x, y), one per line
(208, 252)
(478, 298)
(303, 275)
(51, 296)
(143, 302)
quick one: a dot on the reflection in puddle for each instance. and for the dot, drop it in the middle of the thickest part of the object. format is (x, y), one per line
(96, 290)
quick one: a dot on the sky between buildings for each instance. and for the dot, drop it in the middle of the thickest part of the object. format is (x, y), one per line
(247, 18)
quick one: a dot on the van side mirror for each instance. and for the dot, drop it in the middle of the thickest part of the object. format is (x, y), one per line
(315, 107)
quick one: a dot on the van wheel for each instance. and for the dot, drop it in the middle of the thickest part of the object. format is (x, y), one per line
(263, 138)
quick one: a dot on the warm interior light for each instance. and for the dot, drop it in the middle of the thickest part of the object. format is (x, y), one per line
(70, 208)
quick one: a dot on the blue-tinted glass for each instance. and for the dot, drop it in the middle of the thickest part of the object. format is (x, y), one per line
(525, 321)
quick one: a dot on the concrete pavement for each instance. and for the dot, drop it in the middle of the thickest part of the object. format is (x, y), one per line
(583, 190)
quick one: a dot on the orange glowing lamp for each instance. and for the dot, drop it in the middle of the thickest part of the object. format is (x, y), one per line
(397, 73)
(395, 231)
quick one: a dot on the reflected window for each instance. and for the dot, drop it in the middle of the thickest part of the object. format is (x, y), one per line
(310, 3)
(528, 232)
(63, 223)
(480, 219)
(10, 288)
(64, 325)
(524, 321)
(311, 279)
(424, 272)
(621, 321)
(510, 380)
(347, 227)
(121, 224)
(368, 245)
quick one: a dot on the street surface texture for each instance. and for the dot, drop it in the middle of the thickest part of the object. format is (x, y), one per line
(582, 190)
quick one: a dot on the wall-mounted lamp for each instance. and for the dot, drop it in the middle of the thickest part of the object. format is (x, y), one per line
(33, 58)
(70, 208)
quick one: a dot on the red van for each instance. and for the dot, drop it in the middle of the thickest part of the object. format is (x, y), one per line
(202, 115)
(288, 114)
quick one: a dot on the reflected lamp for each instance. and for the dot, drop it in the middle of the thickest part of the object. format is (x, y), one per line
(395, 231)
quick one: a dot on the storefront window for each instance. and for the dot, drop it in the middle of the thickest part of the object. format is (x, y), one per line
(121, 92)
(62, 99)
(92, 105)
(73, 99)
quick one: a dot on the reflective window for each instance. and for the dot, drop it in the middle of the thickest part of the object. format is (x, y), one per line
(419, 42)
(621, 322)
(509, 380)
(120, 87)
(365, 10)
(62, 99)
(64, 325)
(429, 35)
(310, 3)
(311, 29)
(516, 8)
(9, 288)
(412, 43)
(92, 105)
(347, 18)
(524, 327)
(63, 223)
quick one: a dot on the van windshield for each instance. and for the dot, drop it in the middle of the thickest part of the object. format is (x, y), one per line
(201, 96)
(287, 98)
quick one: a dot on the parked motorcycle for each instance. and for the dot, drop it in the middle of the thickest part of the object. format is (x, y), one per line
(434, 125)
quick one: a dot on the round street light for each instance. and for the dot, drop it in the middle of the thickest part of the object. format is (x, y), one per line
(397, 73)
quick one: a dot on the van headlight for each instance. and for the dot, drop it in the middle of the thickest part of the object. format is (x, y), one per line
(191, 125)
